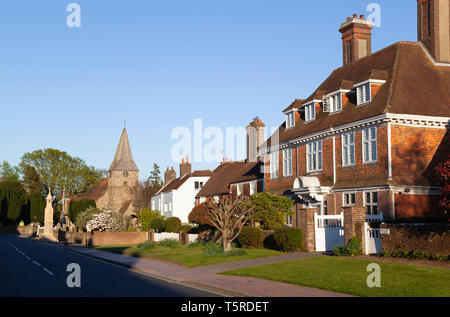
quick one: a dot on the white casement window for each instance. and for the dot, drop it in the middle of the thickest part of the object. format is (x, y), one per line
(363, 94)
(290, 120)
(216, 199)
(274, 165)
(170, 206)
(369, 143)
(348, 149)
(239, 189)
(335, 102)
(166, 207)
(289, 221)
(287, 162)
(314, 156)
(349, 199)
(252, 188)
(310, 112)
(371, 203)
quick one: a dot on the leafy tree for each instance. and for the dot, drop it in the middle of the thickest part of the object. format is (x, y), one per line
(155, 176)
(37, 207)
(271, 210)
(58, 170)
(443, 172)
(147, 216)
(158, 224)
(12, 201)
(106, 221)
(31, 180)
(8, 172)
(199, 215)
(229, 217)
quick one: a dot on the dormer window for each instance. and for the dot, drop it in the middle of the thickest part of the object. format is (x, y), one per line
(333, 102)
(363, 94)
(290, 120)
(310, 112)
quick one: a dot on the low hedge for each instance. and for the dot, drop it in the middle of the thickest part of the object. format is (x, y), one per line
(352, 248)
(251, 237)
(289, 239)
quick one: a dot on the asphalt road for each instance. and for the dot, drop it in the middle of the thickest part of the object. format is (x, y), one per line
(33, 269)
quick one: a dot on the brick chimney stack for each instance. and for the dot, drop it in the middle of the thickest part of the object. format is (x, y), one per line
(433, 28)
(356, 38)
(255, 137)
(169, 175)
(185, 167)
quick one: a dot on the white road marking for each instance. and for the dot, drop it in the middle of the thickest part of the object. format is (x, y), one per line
(48, 271)
(38, 264)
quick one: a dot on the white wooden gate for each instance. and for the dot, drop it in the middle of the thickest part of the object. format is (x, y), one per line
(373, 240)
(329, 231)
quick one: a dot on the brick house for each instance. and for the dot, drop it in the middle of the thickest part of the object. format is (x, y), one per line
(372, 133)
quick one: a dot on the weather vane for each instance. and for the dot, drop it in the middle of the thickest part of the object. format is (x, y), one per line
(124, 122)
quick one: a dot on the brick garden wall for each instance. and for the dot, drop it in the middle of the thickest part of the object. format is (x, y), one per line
(432, 238)
(117, 238)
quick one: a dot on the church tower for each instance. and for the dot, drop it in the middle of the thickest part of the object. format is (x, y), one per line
(123, 178)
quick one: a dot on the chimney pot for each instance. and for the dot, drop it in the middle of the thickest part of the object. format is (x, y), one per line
(355, 16)
(362, 17)
(356, 40)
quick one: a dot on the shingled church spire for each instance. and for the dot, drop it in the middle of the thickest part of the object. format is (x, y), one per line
(123, 160)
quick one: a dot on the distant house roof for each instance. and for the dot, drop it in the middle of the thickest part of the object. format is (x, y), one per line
(229, 173)
(176, 183)
(123, 160)
(94, 192)
(414, 85)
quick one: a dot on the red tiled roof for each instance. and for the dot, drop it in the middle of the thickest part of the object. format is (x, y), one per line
(414, 85)
(176, 183)
(94, 192)
(228, 173)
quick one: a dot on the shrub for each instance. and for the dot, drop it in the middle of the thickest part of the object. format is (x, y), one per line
(198, 215)
(107, 221)
(158, 224)
(196, 244)
(173, 224)
(289, 239)
(37, 207)
(212, 249)
(146, 217)
(84, 217)
(78, 206)
(271, 210)
(146, 245)
(169, 243)
(186, 228)
(416, 255)
(251, 238)
(352, 248)
(132, 230)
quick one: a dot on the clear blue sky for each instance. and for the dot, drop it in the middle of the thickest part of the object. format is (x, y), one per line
(163, 64)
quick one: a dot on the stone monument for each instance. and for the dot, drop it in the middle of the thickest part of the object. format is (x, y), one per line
(48, 218)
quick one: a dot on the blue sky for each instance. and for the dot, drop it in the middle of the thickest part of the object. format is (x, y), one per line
(163, 64)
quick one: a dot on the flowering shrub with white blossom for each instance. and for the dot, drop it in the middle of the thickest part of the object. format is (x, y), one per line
(107, 221)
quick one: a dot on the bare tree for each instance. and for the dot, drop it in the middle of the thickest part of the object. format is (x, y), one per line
(229, 217)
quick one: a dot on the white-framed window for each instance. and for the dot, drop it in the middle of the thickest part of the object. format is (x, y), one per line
(363, 94)
(314, 156)
(371, 202)
(198, 185)
(202, 200)
(335, 102)
(274, 165)
(287, 162)
(216, 199)
(170, 206)
(252, 188)
(239, 189)
(289, 221)
(290, 120)
(166, 207)
(348, 199)
(310, 112)
(369, 143)
(348, 149)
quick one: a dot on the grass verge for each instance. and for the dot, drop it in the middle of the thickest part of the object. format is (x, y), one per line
(347, 275)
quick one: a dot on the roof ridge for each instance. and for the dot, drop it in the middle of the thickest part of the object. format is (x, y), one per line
(393, 80)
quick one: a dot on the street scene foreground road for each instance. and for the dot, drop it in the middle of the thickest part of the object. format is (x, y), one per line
(35, 269)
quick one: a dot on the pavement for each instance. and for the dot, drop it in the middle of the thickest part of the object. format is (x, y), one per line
(31, 268)
(206, 278)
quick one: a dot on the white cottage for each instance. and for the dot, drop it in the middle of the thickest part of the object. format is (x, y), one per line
(177, 197)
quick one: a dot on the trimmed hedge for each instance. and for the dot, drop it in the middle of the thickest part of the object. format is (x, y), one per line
(78, 206)
(37, 207)
(251, 238)
(289, 239)
(173, 224)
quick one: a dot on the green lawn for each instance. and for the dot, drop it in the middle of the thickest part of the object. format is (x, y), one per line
(347, 275)
(189, 257)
